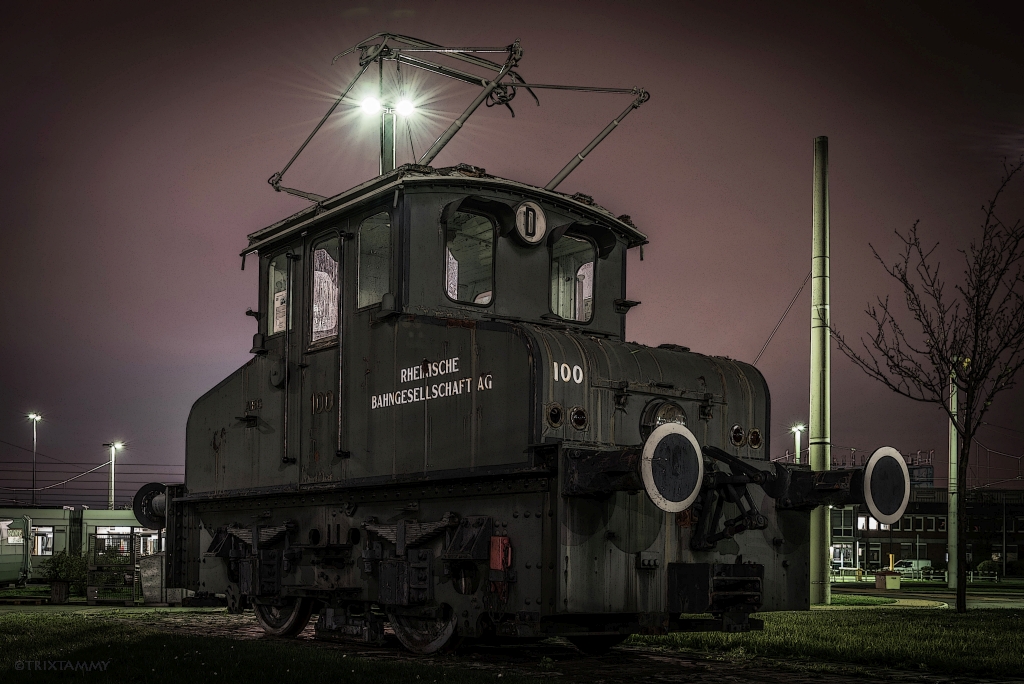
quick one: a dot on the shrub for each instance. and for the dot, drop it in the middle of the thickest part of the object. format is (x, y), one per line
(66, 567)
(990, 566)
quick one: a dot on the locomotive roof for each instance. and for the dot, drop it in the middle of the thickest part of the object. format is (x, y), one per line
(462, 174)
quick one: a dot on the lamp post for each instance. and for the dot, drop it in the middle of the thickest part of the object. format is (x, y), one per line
(405, 108)
(35, 418)
(796, 430)
(114, 446)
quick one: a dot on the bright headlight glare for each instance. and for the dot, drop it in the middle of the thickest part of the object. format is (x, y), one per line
(405, 108)
(370, 105)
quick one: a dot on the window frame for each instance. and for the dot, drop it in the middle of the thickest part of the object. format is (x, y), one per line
(267, 297)
(357, 223)
(495, 234)
(328, 342)
(593, 292)
(45, 532)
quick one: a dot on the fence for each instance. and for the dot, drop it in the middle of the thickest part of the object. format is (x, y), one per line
(113, 568)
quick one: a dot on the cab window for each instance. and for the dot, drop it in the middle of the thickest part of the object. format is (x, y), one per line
(572, 278)
(277, 296)
(469, 259)
(324, 291)
(374, 267)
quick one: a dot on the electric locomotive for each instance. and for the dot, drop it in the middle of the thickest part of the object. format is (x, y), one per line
(443, 428)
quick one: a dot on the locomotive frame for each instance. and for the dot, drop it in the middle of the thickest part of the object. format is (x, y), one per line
(444, 428)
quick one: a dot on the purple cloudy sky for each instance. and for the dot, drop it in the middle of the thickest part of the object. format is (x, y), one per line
(137, 139)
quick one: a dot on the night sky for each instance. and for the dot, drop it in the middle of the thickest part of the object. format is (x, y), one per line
(137, 140)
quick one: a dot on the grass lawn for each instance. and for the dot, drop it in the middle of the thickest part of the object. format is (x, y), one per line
(981, 642)
(855, 600)
(137, 654)
(31, 590)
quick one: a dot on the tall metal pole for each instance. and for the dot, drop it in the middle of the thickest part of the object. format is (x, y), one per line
(819, 432)
(110, 497)
(35, 421)
(953, 488)
(387, 139)
(35, 418)
(114, 446)
(1003, 554)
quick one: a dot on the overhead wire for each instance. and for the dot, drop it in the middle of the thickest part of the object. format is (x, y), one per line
(784, 314)
(39, 489)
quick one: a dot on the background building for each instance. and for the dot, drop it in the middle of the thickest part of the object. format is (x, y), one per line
(995, 531)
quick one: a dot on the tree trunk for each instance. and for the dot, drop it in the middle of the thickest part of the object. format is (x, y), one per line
(961, 530)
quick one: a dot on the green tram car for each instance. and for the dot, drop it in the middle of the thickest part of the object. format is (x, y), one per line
(444, 429)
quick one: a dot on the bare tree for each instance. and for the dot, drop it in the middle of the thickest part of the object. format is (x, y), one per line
(971, 334)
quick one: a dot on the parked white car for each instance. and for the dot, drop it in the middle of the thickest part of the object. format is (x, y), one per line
(908, 566)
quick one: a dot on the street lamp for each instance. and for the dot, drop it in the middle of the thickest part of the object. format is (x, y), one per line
(114, 446)
(372, 106)
(35, 418)
(796, 430)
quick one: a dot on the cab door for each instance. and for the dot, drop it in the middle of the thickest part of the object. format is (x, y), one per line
(270, 385)
(320, 368)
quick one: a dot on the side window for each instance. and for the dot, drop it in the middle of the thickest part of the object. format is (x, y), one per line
(374, 268)
(324, 299)
(277, 296)
(469, 259)
(572, 278)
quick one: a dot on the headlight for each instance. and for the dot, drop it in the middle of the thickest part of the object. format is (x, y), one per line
(738, 436)
(658, 413)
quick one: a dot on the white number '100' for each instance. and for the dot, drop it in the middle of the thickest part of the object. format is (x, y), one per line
(565, 373)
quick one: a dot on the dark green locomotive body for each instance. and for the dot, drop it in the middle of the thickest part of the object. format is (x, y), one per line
(443, 426)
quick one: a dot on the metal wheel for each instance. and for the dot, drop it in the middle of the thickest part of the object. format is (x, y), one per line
(598, 644)
(287, 619)
(426, 635)
(237, 603)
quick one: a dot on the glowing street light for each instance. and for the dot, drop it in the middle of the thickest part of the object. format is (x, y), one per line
(405, 108)
(35, 418)
(114, 447)
(370, 105)
(796, 430)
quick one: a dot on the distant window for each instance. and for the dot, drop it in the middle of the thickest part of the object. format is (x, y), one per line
(942, 523)
(42, 541)
(873, 524)
(919, 524)
(279, 317)
(931, 524)
(842, 522)
(374, 268)
(469, 259)
(882, 526)
(324, 299)
(572, 279)
(862, 522)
